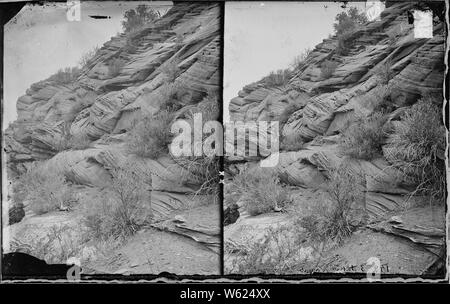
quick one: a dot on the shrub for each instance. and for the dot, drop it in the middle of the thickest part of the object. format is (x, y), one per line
(55, 246)
(298, 60)
(170, 96)
(344, 44)
(278, 78)
(385, 72)
(327, 69)
(87, 57)
(67, 141)
(115, 66)
(151, 137)
(345, 24)
(349, 20)
(336, 221)
(287, 112)
(277, 253)
(79, 142)
(122, 211)
(383, 102)
(66, 75)
(363, 139)
(179, 39)
(416, 148)
(46, 188)
(203, 171)
(292, 142)
(394, 34)
(260, 190)
(135, 18)
(209, 108)
(170, 70)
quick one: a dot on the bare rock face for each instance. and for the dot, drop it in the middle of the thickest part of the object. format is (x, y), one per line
(323, 106)
(102, 106)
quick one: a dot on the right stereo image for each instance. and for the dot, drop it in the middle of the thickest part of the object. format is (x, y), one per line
(335, 139)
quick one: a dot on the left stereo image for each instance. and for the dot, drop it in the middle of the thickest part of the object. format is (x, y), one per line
(96, 173)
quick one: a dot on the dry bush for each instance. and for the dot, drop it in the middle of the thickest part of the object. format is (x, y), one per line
(203, 171)
(67, 141)
(170, 70)
(124, 208)
(151, 137)
(279, 252)
(327, 69)
(337, 221)
(416, 148)
(363, 139)
(138, 17)
(170, 96)
(346, 23)
(260, 190)
(209, 108)
(344, 44)
(385, 72)
(278, 78)
(56, 246)
(66, 75)
(383, 102)
(115, 66)
(292, 142)
(287, 112)
(299, 60)
(87, 57)
(79, 142)
(349, 20)
(46, 188)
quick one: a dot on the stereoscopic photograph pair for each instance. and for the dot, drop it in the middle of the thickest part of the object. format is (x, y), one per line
(213, 140)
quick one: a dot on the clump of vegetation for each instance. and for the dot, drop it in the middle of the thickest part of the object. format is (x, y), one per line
(79, 142)
(56, 246)
(344, 44)
(287, 112)
(345, 24)
(327, 68)
(416, 148)
(278, 78)
(136, 18)
(151, 137)
(87, 57)
(125, 207)
(170, 70)
(46, 188)
(170, 96)
(203, 171)
(298, 60)
(66, 75)
(279, 252)
(67, 141)
(385, 72)
(209, 108)
(394, 34)
(349, 20)
(261, 190)
(115, 66)
(292, 142)
(179, 39)
(338, 220)
(363, 139)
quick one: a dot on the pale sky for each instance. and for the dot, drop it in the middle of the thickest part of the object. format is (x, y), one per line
(40, 40)
(261, 37)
